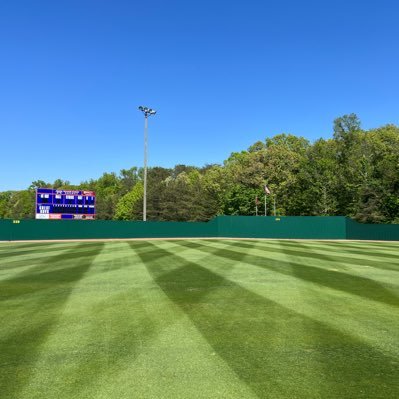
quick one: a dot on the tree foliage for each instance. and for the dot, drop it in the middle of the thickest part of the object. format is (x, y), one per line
(355, 173)
(127, 205)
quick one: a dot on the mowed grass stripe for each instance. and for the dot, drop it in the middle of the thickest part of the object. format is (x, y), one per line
(175, 320)
(343, 309)
(184, 365)
(342, 248)
(264, 342)
(355, 285)
(318, 252)
(18, 265)
(11, 251)
(347, 265)
(362, 249)
(339, 309)
(383, 270)
(95, 334)
(377, 247)
(119, 335)
(383, 273)
(365, 257)
(30, 306)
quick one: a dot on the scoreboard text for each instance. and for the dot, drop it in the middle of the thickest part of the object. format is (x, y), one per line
(65, 204)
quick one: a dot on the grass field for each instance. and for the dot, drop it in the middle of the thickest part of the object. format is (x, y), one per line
(199, 319)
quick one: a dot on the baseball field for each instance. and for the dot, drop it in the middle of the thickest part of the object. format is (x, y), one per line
(199, 319)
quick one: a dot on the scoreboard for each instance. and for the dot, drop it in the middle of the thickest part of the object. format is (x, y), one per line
(65, 204)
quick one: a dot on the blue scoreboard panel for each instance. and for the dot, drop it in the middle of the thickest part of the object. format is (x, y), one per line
(65, 204)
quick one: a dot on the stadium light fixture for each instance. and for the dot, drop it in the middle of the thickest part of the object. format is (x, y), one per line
(147, 112)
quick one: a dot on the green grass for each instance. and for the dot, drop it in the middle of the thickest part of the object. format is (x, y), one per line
(199, 319)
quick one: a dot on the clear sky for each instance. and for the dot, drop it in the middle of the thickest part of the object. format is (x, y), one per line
(221, 74)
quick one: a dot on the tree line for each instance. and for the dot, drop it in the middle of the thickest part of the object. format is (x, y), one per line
(355, 173)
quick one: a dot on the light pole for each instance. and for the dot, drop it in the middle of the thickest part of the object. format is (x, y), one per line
(147, 112)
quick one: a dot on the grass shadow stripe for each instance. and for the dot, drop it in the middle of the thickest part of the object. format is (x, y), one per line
(342, 254)
(158, 254)
(351, 284)
(50, 269)
(309, 252)
(140, 248)
(34, 315)
(301, 249)
(362, 250)
(263, 342)
(34, 251)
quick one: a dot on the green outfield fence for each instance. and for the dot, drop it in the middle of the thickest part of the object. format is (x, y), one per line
(308, 227)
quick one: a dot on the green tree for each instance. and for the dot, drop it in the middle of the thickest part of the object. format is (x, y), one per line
(60, 184)
(318, 185)
(356, 173)
(241, 200)
(284, 159)
(126, 208)
(39, 184)
(128, 179)
(345, 126)
(21, 205)
(5, 203)
(184, 198)
(217, 181)
(108, 189)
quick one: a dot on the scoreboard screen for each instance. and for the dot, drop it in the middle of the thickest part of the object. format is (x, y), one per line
(65, 204)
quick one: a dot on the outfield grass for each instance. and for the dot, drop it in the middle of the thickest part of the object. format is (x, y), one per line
(199, 319)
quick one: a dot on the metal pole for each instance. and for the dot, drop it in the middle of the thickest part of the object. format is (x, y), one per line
(147, 112)
(256, 205)
(265, 206)
(145, 168)
(274, 205)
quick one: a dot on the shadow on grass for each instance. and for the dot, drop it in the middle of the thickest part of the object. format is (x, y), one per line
(277, 352)
(119, 330)
(340, 253)
(13, 250)
(356, 285)
(43, 274)
(32, 302)
(304, 250)
(129, 324)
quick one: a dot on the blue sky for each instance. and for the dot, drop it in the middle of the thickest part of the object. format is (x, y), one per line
(221, 74)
